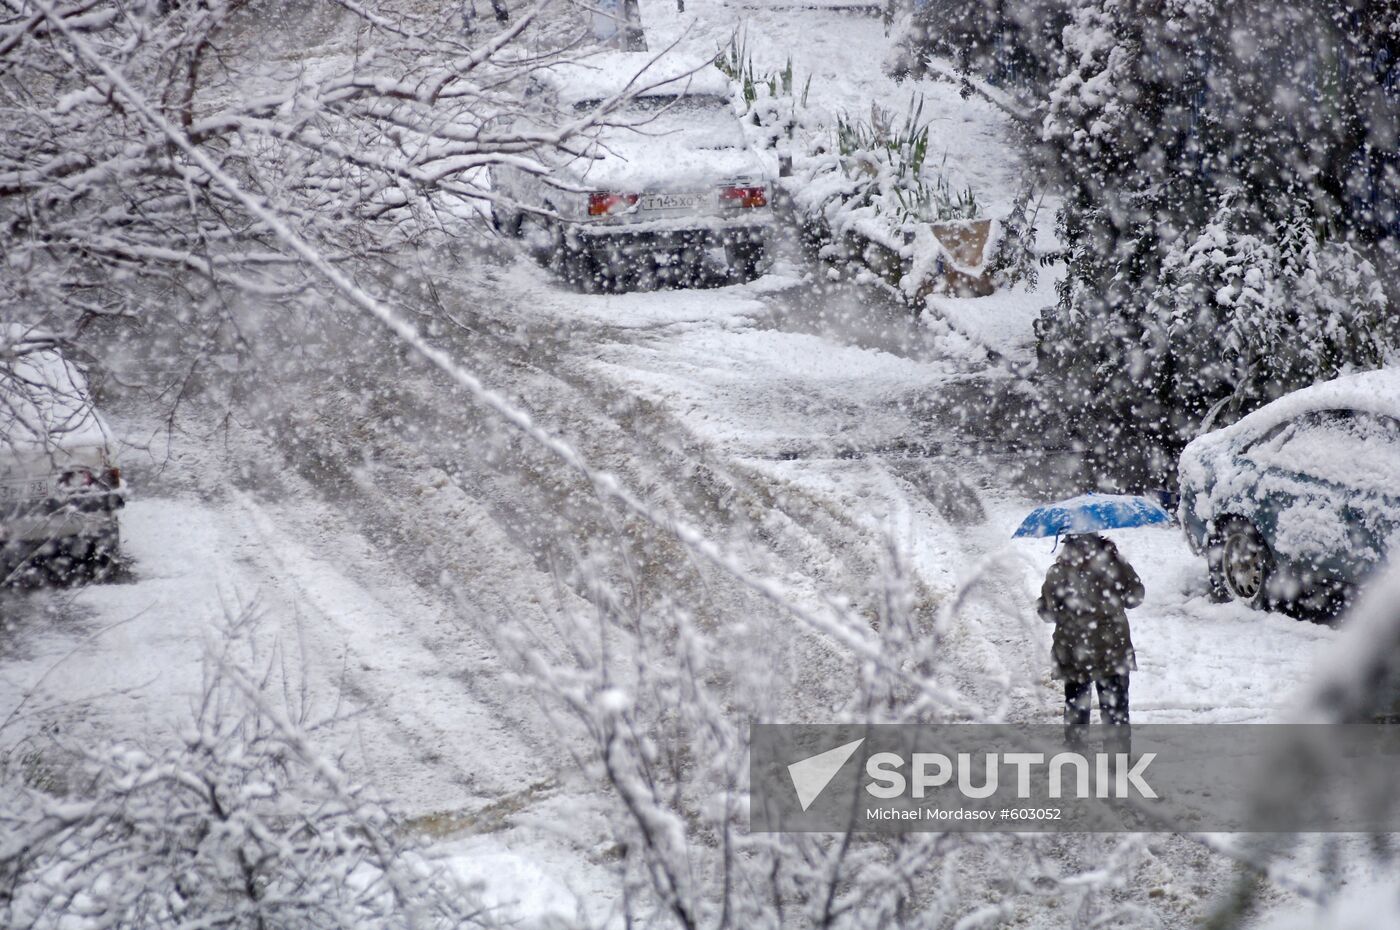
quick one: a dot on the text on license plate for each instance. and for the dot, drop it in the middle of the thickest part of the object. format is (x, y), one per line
(24, 490)
(672, 201)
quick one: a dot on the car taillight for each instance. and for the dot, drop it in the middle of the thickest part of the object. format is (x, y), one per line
(743, 196)
(113, 476)
(601, 203)
(77, 478)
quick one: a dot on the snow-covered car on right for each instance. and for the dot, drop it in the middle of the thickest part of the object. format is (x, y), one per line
(1299, 502)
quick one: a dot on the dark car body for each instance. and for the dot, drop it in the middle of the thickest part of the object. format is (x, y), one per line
(1307, 488)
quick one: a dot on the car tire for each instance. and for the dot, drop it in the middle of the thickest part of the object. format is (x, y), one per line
(584, 271)
(747, 260)
(1246, 563)
(507, 222)
(105, 554)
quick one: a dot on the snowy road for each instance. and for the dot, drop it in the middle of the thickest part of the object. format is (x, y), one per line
(383, 529)
(722, 401)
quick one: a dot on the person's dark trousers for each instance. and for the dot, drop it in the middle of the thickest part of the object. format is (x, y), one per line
(1113, 711)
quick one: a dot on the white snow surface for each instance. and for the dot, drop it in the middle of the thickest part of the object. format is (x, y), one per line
(810, 414)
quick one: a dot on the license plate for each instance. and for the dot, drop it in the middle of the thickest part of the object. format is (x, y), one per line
(24, 491)
(673, 201)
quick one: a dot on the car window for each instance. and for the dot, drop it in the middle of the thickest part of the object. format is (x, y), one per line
(1352, 448)
(700, 121)
(43, 399)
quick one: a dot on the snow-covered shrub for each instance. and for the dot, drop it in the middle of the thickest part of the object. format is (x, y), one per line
(867, 195)
(768, 100)
(1013, 259)
(1153, 342)
(240, 822)
(886, 162)
(1260, 313)
(1214, 260)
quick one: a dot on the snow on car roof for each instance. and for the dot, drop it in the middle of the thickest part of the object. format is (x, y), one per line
(607, 74)
(1375, 392)
(1370, 391)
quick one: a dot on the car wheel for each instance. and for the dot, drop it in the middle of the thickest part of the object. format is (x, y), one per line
(506, 221)
(105, 555)
(747, 259)
(1246, 563)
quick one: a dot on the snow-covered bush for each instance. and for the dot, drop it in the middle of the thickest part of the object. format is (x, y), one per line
(1215, 258)
(868, 195)
(768, 100)
(886, 160)
(240, 822)
(1013, 258)
(1285, 308)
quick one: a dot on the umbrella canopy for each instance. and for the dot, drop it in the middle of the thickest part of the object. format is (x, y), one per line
(1090, 513)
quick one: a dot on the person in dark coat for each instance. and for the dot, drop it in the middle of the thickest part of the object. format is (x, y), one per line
(1087, 594)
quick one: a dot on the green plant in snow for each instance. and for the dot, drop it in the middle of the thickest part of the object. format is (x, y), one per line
(888, 158)
(736, 63)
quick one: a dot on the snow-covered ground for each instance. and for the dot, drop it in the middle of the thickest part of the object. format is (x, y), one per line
(834, 403)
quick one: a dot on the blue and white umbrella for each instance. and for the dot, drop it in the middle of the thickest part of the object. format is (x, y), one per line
(1090, 513)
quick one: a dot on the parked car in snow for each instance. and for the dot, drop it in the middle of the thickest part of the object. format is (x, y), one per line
(1300, 500)
(60, 486)
(671, 189)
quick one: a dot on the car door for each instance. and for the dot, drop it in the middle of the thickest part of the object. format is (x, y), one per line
(1297, 505)
(1326, 492)
(1365, 458)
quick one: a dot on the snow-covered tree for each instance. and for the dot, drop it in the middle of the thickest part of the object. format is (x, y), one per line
(239, 822)
(1214, 258)
(360, 126)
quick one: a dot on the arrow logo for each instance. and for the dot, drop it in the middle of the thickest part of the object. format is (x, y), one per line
(811, 776)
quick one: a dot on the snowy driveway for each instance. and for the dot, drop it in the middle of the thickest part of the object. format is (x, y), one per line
(835, 406)
(840, 428)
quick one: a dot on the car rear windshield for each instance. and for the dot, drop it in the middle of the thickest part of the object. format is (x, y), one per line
(706, 121)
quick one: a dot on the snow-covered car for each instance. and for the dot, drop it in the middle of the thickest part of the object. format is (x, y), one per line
(60, 485)
(673, 188)
(1300, 500)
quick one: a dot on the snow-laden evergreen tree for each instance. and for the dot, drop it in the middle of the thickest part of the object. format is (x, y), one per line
(1215, 256)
